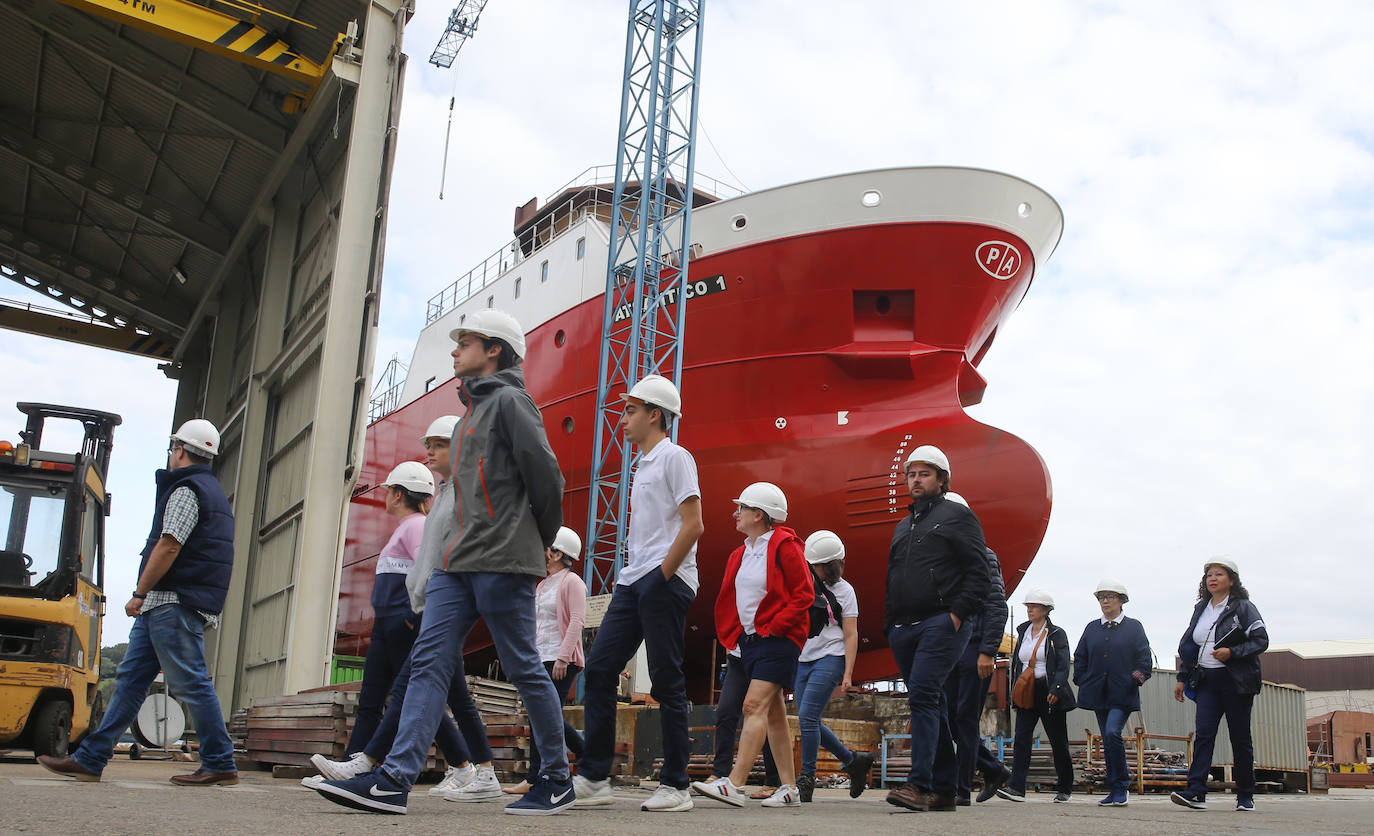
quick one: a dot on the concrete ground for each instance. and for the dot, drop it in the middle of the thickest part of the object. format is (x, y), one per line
(135, 798)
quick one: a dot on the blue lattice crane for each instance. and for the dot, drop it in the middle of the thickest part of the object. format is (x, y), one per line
(462, 24)
(645, 303)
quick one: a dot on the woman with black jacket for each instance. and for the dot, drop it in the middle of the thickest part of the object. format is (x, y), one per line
(1219, 668)
(1040, 642)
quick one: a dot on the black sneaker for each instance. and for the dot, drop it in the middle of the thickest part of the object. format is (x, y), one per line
(545, 798)
(1010, 794)
(993, 783)
(806, 784)
(373, 792)
(1062, 798)
(1189, 800)
(963, 801)
(857, 770)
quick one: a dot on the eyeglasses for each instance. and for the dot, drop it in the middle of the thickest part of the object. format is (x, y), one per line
(174, 446)
(1106, 596)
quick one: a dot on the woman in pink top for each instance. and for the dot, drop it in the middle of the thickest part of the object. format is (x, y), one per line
(560, 609)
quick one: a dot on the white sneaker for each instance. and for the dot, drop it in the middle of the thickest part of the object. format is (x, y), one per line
(312, 781)
(592, 793)
(359, 764)
(668, 799)
(456, 778)
(722, 790)
(482, 787)
(786, 796)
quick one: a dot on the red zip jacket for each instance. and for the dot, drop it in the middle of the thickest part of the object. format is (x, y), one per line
(788, 594)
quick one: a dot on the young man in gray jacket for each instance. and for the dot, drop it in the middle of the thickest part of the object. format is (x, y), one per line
(507, 495)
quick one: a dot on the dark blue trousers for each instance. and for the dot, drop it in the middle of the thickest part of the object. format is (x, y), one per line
(965, 694)
(926, 653)
(387, 653)
(1217, 698)
(470, 745)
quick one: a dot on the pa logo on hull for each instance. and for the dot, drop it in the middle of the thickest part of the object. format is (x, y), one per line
(998, 259)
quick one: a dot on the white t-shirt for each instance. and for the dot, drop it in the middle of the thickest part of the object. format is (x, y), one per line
(665, 478)
(830, 640)
(547, 639)
(752, 580)
(1205, 635)
(1028, 644)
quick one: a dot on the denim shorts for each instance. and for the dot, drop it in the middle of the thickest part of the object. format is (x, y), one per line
(769, 659)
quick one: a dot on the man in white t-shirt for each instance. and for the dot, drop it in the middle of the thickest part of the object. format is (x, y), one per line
(654, 590)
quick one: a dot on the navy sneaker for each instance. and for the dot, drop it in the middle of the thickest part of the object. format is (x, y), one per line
(1245, 804)
(1189, 800)
(545, 798)
(373, 792)
(1115, 798)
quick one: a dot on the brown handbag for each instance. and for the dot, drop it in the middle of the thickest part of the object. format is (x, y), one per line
(1023, 690)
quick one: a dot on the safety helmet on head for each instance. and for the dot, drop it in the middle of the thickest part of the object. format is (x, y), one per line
(493, 324)
(929, 454)
(412, 476)
(1222, 560)
(954, 497)
(199, 435)
(1039, 596)
(823, 547)
(567, 542)
(442, 427)
(657, 390)
(767, 497)
(1112, 585)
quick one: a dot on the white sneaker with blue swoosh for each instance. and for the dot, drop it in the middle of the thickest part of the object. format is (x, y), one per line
(374, 792)
(545, 798)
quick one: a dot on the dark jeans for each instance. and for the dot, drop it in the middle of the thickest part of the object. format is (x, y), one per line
(387, 652)
(571, 738)
(1111, 721)
(965, 694)
(925, 654)
(1217, 698)
(729, 712)
(456, 748)
(1055, 722)
(652, 610)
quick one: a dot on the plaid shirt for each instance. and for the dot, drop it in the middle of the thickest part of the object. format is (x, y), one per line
(178, 521)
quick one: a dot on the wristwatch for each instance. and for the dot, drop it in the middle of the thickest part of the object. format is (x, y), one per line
(139, 595)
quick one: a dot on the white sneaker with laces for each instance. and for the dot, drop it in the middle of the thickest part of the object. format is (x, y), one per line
(359, 764)
(482, 787)
(786, 796)
(454, 779)
(721, 790)
(592, 793)
(668, 799)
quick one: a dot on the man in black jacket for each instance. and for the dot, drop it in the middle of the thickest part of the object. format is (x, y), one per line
(966, 689)
(937, 580)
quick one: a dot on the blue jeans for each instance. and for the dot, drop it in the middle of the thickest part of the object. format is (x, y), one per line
(1217, 698)
(454, 602)
(652, 610)
(1111, 721)
(387, 653)
(926, 652)
(171, 639)
(965, 694)
(456, 748)
(816, 681)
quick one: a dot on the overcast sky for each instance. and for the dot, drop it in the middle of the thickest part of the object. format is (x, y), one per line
(1193, 361)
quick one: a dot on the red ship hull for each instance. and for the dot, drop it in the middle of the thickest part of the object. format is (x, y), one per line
(822, 362)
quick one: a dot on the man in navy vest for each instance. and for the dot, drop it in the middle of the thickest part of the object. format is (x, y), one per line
(182, 582)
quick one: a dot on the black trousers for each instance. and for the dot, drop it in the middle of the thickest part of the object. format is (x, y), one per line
(1054, 721)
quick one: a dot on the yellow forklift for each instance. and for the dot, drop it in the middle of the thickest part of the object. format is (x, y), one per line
(52, 563)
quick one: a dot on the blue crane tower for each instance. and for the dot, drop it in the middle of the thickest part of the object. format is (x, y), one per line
(650, 235)
(462, 24)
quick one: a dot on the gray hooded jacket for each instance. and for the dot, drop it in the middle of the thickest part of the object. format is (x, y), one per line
(507, 488)
(441, 526)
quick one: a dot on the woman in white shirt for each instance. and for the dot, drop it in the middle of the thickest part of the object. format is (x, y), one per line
(827, 662)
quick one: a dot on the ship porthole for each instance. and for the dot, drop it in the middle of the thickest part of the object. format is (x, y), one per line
(560, 338)
(568, 425)
(1023, 209)
(884, 304)
(871, 198)
(739, 222)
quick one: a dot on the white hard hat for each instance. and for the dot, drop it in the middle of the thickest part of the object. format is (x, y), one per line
(767, 497)
(656, 390)
(200, 435)
(931, 455)
(1112, 585)
(1222, 560)
(1039, 596)
(954, 497)
(412, 476)
(442, 427)
(567, 542)
(824, 546)
(493, 324)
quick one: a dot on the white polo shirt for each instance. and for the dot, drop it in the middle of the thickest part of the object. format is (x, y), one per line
(1205, 634)
(751, 582)
(665, 478)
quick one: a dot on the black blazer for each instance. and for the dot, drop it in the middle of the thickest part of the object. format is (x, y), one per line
(1055, 651)
(1104, 664)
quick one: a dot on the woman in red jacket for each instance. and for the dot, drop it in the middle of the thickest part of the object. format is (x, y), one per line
(764, 608)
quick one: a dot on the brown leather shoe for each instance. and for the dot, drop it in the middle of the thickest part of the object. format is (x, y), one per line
(201, 778)
(908, 796)
(68, 767)
(936, 803)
